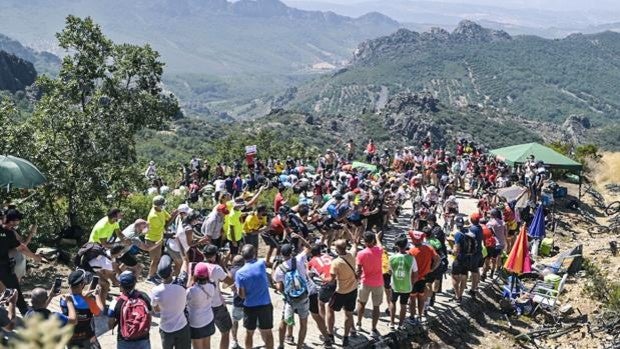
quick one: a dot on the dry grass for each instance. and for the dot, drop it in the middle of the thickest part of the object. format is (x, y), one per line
(608, 170)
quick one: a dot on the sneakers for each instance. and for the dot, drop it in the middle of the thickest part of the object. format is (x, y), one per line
(289, 340)
(154, 280)
(345, 342)
(375, 334)
(472, 293)
(235, 345)
(358, 327)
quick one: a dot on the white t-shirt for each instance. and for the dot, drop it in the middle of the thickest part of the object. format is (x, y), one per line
(179, 237)
(220, 185)
(216, 274)
(300, 264)
(171, 299)
(199, 299)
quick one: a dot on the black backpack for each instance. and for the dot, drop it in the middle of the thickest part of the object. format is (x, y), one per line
(468, 244)
(86, 253)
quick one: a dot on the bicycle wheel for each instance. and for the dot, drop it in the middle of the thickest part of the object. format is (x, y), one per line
(613, 208)
(598, 230)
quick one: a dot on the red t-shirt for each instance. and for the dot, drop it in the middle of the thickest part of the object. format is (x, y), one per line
(321, 264)
(423, 255)
(277, 226)
(277, 202)
(371, 149)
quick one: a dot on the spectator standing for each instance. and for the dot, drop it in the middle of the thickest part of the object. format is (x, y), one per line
(87, 306)
(217, 275)
(199, 307)
(252, 285)
(40, 300)
(237, 312)
(169, 300)
(131, 311)
(404, 274)
(158, 220)
(213, 225)
(427, 260)
(8, 242)
(254, 225)
(369, 269)
(345, 276)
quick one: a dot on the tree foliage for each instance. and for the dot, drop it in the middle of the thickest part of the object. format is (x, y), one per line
(81, 133)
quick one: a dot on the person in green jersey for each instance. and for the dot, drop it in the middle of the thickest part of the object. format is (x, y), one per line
(404, 274)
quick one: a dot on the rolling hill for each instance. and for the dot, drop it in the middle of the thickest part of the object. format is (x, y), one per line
(537, 79)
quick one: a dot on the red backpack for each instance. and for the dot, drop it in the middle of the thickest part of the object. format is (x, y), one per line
(135, 319)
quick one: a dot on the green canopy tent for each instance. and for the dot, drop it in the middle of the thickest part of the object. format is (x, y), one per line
(364, 166)
(518, 154)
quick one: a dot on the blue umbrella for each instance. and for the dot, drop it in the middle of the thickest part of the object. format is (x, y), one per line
(537, 228)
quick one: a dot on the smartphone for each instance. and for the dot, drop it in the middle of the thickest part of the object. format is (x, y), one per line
(57, 283)
(94, 283)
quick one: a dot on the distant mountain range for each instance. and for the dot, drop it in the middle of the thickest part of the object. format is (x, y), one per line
(15, 73)
(213, 49)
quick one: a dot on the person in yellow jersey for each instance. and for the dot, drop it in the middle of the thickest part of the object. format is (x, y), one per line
(254, 225)
(107, 227)
(158, 220)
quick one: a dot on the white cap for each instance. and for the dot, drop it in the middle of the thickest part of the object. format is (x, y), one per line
(184, 208)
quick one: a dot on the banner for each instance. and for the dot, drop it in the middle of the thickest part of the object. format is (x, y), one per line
(250, 150)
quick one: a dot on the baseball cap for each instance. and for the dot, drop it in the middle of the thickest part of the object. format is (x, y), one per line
(417, 236)
(164, 268)
(221, 208)
(459, 221)
(184, 208)
(210, 251)
(201, 271)
(286, 250)
(127, 279)
(159, 200)
(357, 190)
(77, 277)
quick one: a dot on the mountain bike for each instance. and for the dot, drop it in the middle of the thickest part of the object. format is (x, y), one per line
(613, 208)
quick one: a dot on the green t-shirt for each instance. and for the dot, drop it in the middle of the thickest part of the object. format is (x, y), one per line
(402, 265)
(103, 230)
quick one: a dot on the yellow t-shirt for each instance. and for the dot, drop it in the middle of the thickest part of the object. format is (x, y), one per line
(157, 224)
(278, 168)
(232, 223)
(103, 230)
(253, 223)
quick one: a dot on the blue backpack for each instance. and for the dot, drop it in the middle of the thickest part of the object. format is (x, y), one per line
(295, 287)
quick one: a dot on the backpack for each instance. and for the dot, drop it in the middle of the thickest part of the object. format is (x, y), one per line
(135, 318)
(87, 253)
(468, 244)
(295, 287)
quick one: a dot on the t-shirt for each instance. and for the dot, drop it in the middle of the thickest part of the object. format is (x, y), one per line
(277, 202)
(199, 304)
(8, 241)
(212, 226)
(252, 277)
(321, 265)
(424, 255)
(402, 265)
(499, 229)
(103, 230)
(344, 273)
(371, 260)
(300, 266)
(171, 299)
(277, 226)
(46, 314)
(115, 310)
(253, 223)
(216, 275)
(157, 224)
(86, 309)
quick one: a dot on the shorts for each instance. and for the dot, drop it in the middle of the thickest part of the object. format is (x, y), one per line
(300, 307)
(404, 298)
(234, 250)
(346, 301)
(512, 233)
(261, 316)
(128, 260)
(176, 256)
(202, 332)
(270, 240)
(221, 317)
(101, 262)
(493, 252)
(251, 239)
(357, 223)
(366, 292)
(374, 222)
(419, 287)
(237, 313)
(217, 242)
(314, 303)
(461, 266)
(387, 281)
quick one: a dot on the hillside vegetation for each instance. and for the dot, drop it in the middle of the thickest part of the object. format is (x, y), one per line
(534, 78)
